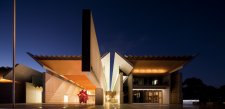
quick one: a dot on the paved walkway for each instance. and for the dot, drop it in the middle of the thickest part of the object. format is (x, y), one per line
(108, 106)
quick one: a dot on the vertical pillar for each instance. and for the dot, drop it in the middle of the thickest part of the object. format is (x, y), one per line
(14, 54)
(98, 96)
(130, 88)
(121, 87)
(176, 88)
(180, 94)
(44, 88)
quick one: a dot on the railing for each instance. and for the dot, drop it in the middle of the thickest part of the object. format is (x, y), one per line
(150, 86)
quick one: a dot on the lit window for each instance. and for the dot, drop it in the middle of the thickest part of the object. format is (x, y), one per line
(65, 99)
(155, 82)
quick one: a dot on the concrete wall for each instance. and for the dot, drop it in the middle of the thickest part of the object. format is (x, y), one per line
(106, 69)
(166, 96)
(96, 63)
(55, 90)
(119, 89)
(33, 94)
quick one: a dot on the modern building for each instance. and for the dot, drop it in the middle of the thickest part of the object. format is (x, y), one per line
(135, 79)
(148, 79)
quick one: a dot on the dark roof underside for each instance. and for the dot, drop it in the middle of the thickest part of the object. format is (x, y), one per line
(55, 57)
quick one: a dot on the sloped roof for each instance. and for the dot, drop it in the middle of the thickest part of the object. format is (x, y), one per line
(23, 73)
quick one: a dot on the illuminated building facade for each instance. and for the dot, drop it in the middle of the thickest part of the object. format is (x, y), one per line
(135, 79)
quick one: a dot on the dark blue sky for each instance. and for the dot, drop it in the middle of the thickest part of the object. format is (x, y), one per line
(143, 27)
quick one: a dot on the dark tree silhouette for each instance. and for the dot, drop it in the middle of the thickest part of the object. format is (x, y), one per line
(222, 93)
(194, 88)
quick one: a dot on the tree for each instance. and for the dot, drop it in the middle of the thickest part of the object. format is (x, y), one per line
(222, 93)
(193, 88)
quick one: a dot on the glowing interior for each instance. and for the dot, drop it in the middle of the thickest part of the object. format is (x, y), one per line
(71, 70)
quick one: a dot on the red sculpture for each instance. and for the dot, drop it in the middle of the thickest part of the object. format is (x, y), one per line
(83, 96)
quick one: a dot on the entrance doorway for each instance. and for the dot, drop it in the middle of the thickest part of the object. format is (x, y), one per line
(147, 96)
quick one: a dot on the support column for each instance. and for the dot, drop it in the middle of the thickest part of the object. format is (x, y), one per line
(176, 88)
(98, 96)
(121, 87)
(130, 88)
(180, 93)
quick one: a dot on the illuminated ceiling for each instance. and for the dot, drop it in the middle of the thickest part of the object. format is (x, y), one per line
(68, 67)
(157, 64)
(71, 70)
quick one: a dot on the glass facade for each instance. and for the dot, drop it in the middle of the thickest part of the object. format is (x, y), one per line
(147, 96)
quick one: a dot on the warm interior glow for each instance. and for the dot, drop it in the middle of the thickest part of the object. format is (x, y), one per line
(149, 71)
(5, 81)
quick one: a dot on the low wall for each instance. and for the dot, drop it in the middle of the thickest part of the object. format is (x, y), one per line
(33, 94)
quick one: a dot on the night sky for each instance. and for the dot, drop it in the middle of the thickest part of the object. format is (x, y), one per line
(140, 27)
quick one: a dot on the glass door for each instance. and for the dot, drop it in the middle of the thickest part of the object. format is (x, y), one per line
(154, 96)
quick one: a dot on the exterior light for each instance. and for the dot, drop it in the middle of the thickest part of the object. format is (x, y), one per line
(149, 71)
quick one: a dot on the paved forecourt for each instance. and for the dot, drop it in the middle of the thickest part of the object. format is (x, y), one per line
(109, 106)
